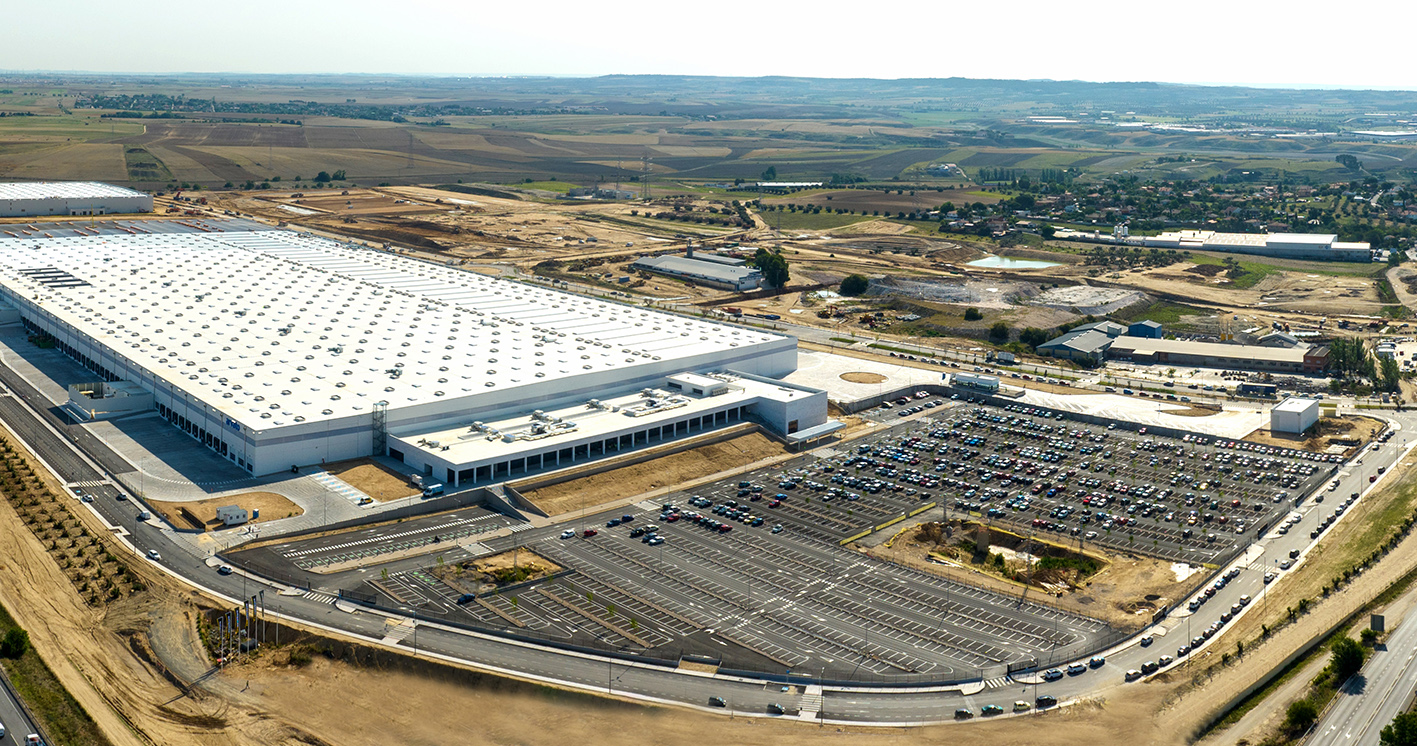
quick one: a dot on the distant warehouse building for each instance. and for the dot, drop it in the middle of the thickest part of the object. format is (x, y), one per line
(1321, 246)
(1148, 329)
(1083, 345)
(31, 199)
(1294, 415)
(712, 273)
(1301, 359)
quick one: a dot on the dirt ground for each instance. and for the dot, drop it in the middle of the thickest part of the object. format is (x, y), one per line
(359, 707)
(487, 573)
(1122, 594)
(1321, 436)
(373, 479)
(273, 507)
(858, 377)
(635, 479)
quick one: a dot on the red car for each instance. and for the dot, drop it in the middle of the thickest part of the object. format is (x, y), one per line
(589, 533)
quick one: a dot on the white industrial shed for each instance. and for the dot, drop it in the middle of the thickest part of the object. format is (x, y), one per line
(276, 348)
(41, 198)
(1294, 415)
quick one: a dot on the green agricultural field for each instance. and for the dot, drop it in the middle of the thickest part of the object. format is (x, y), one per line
(548, 186)
(1163, 313)
(65, 128)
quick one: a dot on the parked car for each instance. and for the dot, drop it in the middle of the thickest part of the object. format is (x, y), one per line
(717, 702)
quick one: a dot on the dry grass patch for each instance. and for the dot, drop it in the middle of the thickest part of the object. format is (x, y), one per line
(858, 377)
(373, 479)
(202, 513)
(667, 471)
(489, 573)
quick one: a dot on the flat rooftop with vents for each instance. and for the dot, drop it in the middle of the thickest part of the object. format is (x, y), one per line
(47, 198)
(276, 348)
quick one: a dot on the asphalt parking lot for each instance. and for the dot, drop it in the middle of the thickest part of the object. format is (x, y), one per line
(759, 601)
(750, 571)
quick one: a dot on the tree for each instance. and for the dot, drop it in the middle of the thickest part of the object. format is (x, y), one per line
(14, 644)
(972, 314)
(1349, 162)
(1300, 716)
(338, 175)
(322, 177)
(1033, 336)
(1347, 658)
(999, 331)
(1047, 231)
(1390, 375)
(854, 285)
(773, 267)
(770, 174)
(1402, 731)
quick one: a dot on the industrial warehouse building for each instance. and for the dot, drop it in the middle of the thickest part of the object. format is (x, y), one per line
(1299, 360)
(1320, 246)
(1294, 415)
(275, 348)
(32, 199)
(711, 270)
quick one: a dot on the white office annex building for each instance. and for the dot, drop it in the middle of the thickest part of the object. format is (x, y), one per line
(275, 348)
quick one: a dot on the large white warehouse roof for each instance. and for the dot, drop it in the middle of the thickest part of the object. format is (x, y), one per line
(63, 190)
(275, 328)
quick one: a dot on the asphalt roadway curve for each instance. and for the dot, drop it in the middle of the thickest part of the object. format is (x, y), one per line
(642, 681)
(1374, 696)
(13, 717)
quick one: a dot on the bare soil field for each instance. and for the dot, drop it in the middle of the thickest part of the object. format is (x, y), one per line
(273, 507)
(1321, 436)
(669, 470)
(373, 479)
(858, 377)
(1123, 593)
(1298, 291)
(360, 202)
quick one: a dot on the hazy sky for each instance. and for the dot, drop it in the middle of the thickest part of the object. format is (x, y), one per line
(1203, 41)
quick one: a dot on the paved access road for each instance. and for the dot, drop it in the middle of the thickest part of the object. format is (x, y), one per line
(1372, 698)
(594, 673)
(12, 716)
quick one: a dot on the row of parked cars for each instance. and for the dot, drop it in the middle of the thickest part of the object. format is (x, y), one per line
(1041, 701)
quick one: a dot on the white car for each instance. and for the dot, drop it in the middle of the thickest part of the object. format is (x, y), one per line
(568, 534)
(154, 556)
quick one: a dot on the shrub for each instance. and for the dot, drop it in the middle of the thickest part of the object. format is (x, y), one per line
(854, 285)
(14, 644)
